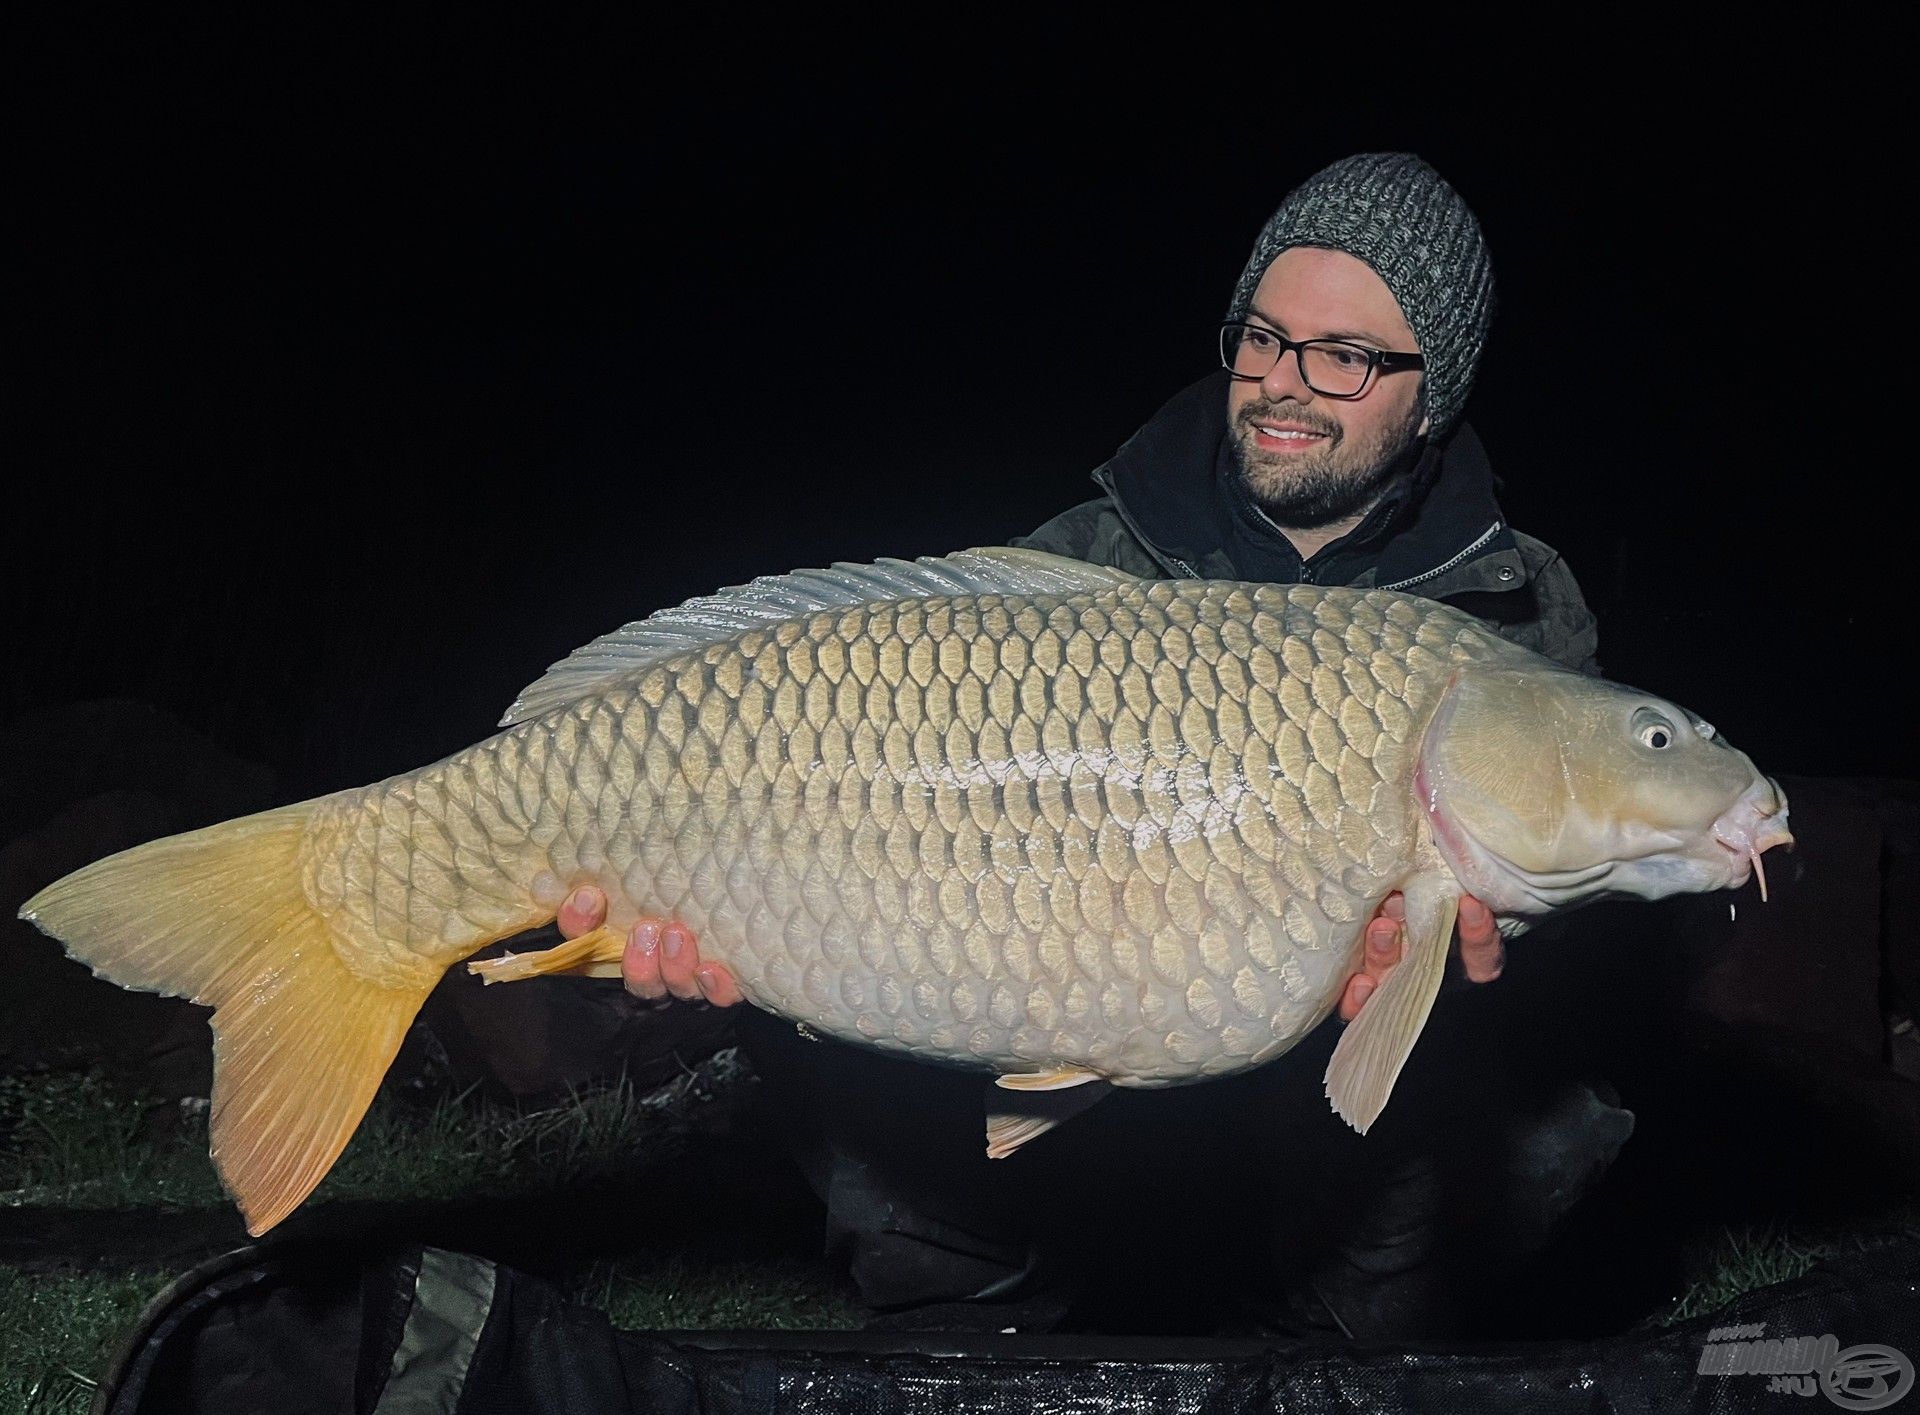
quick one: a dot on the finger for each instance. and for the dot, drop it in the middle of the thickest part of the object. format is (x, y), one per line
(1482, 953)
(1476, 921)
(1359, 989)
(717, 984)
(1394, 907)
(640, 962)
(1383, 948)
(584, 911)
(679, 956)
(1484, 961)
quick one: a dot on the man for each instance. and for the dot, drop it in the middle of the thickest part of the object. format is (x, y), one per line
(1366, 479)
(1326, 450)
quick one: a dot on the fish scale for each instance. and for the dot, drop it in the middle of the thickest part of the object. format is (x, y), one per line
(1135, 831)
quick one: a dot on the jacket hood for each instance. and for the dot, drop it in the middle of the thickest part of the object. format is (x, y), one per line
(1176, 487)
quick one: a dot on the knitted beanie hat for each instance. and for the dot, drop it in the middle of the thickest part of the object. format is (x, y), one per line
(1397, 214)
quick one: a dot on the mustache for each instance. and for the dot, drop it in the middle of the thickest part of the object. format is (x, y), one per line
(1285, 412)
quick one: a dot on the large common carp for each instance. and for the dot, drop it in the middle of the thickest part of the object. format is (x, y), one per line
(1000, 810)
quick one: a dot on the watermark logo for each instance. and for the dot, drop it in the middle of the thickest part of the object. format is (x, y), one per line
(1866, 1377)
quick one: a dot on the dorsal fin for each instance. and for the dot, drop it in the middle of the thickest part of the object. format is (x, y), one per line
(772, 599)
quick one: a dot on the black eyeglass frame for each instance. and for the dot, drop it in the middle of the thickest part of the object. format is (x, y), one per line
(1378, 360)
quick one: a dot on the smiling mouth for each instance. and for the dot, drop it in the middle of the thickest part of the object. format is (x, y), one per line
(1266, 434)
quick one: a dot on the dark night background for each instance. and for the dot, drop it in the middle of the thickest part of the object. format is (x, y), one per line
(358, 377)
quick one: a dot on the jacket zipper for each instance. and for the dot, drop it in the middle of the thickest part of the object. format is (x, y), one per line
(1306, 570)
(1126, 519)
(1488, 534)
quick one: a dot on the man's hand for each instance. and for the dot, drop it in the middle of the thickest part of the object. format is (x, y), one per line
(662, 957)
(1480, 949)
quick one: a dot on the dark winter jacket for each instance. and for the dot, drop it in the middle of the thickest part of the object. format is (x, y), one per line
(1171, 507)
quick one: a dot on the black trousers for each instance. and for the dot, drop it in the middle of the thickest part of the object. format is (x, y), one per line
(1157, 1207)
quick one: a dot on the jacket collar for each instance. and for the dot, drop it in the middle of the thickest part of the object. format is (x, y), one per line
(1440, 532)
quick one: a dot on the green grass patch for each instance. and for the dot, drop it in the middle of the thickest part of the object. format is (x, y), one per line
(1726, 1263)
(685, 1293)
(74, 1140)
(462, 1145)
(1733, 1262)
(77, 1141)
(57, 1331)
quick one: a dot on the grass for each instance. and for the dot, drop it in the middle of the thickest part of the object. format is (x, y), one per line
(76, 1140)
(1729, 1262)
(681, 1293)
(56, 1330)
(1735, 1261)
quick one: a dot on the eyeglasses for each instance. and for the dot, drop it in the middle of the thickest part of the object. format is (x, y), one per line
(1330, 367)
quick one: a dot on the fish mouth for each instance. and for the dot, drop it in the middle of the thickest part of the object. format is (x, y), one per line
(1662, 864)
(1756, 823)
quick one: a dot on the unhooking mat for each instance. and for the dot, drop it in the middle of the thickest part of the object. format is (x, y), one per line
(427, 1330)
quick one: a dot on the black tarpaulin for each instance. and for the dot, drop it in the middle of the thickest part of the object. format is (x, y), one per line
(427, 1330)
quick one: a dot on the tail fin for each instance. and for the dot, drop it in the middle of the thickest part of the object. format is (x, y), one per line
(300, 1042)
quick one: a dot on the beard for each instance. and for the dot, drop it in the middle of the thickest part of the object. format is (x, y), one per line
(1341, 478)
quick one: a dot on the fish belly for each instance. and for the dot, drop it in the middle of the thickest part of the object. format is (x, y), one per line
(1139, 832)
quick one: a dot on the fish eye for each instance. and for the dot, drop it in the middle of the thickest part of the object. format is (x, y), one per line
(1653, 730)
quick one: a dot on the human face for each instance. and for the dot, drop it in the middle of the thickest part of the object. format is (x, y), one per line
(1311, 461)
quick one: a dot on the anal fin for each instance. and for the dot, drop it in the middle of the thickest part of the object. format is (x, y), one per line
(1030, 1112)
(1376, 1044)
(592, 955)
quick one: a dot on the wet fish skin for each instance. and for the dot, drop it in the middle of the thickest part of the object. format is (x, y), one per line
(1137, 831)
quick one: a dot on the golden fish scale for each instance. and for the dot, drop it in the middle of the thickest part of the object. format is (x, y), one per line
(1138, 831)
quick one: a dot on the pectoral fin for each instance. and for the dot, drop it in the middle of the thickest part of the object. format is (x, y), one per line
(1031, 1111)
(1376, 1045)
